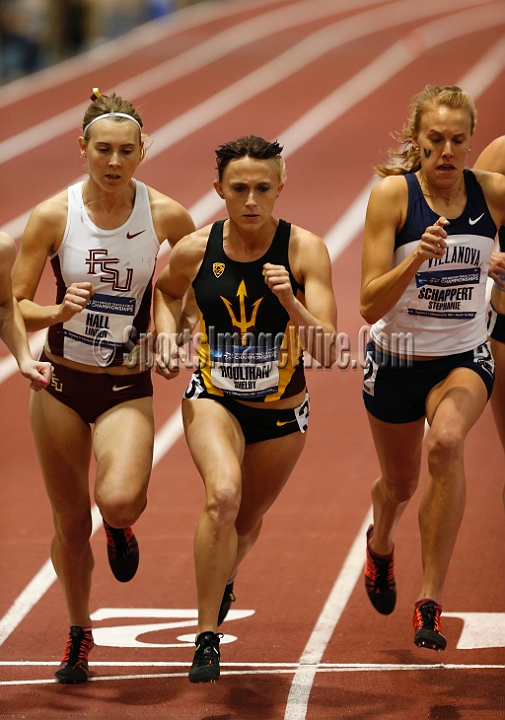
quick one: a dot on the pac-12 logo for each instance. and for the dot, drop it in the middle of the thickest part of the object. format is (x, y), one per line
(100, 259)
(218, 269)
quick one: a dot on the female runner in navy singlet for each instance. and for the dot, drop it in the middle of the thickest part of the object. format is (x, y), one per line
(492, 159)
(102, 237)
(261, 285)
(429, 235)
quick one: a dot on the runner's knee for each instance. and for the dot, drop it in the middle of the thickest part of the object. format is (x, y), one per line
(396, 490)
(121, 507)
(73, 532)
(444, 448)
(223, 505)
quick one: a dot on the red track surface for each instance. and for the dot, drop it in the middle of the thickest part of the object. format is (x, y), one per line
(368, 666)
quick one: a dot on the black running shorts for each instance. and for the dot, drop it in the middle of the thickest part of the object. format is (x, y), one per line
(260, 423)
(396, 392)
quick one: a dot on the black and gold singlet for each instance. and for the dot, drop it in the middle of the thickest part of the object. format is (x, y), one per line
(248, 347)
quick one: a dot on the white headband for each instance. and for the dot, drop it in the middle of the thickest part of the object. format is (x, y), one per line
(108, 115)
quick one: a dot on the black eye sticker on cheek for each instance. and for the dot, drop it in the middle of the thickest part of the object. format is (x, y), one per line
(427, 153)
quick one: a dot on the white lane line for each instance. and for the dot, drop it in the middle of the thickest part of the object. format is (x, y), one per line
(26, 600)
(112, 51)
(311, 657)
(175, 68)
(229, 98)
(275, 671)
(486, 71)
(297, 703)
(16, 226)
(331, 667)
(350, 224)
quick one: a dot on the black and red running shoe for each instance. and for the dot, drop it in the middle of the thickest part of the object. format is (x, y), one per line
(74, 664)
(380, 578)
(122, 551)
(205, 667)
(427, 628)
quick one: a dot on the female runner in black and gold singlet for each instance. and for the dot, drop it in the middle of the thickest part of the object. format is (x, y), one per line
(263, 289)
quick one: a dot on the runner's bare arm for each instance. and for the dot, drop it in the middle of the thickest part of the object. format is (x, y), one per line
(171, 220)
(382, 285)
(492, 158)
(310, 260)
(170, 289)
(41, 238)
(12, 327)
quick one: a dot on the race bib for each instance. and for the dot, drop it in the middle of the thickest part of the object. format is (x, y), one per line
(102, 324)
(245, 372)
(446, 294)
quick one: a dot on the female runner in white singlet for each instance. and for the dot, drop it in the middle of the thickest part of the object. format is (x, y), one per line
(102, 237)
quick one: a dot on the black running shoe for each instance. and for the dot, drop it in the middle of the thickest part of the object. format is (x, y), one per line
(123, 552)
(228, 599)
(380, 579)
(74, 664)
(205, 667)
(427, 628)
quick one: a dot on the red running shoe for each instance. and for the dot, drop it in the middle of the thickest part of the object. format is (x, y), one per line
(380, 578)
(427, 628)
(122, 551)
(74, 664)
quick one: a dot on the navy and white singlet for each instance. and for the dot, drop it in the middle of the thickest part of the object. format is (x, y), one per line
(444, 306)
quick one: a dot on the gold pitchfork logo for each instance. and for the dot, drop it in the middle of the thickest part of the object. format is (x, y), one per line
(243, 324)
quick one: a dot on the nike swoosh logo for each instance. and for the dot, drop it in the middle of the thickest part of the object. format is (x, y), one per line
(286, 422)
(472, 222)
(130, 237)
(117, 388)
